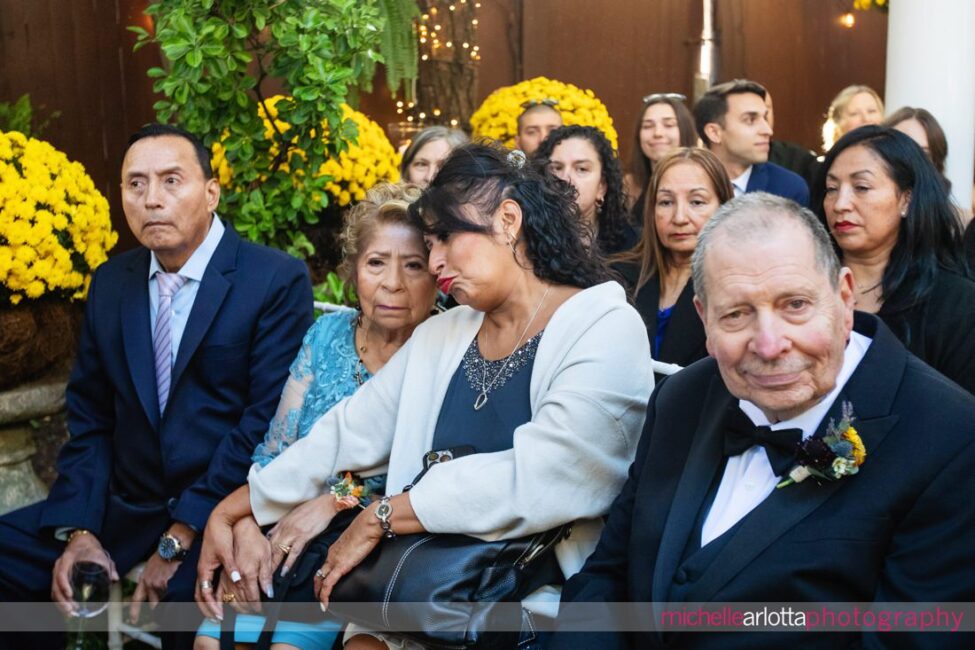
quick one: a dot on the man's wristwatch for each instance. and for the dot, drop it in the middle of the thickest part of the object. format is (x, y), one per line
(171, 549)
(383, 512)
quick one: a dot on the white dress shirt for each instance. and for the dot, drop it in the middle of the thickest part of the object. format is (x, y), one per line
(748, 477)
(192, 270)
(740, 183)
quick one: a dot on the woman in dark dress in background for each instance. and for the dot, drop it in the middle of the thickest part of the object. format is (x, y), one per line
(665, 123)
(686, 189)
(584, 158)
(896, 229)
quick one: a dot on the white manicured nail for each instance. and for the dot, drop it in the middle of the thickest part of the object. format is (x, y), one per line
(235, 576)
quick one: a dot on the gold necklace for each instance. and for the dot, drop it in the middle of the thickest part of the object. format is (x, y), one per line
(482, 397)
(359, 369)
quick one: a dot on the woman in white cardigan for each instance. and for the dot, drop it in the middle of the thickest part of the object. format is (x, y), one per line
(544, 369)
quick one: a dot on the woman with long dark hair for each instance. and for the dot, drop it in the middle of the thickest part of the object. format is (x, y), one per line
(665, 123)
(522, 371)
(687, 187)
(896, 229)
(922, 127)
(584, 158)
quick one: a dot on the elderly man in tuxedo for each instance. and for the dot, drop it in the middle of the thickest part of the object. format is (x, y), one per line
(183, 354)
(702, 517)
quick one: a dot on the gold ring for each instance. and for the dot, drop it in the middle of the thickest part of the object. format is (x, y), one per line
(285, 548)
(229, 597)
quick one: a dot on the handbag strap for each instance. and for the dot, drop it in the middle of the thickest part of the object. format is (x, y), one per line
(437, 456)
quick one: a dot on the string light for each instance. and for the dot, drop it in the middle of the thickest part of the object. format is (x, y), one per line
(848, 20)
(436, 46)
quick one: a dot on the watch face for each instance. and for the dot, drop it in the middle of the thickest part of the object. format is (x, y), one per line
(383, 510)
(168, 549)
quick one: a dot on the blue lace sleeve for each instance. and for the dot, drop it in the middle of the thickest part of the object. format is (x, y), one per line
(321, 376)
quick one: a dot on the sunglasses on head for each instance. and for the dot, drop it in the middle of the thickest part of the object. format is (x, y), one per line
(548, 101)
(656, 97)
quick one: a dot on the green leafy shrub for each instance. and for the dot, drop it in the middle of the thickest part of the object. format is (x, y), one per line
(221, 53)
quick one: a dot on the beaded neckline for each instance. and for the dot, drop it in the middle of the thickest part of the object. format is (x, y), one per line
(476, 366)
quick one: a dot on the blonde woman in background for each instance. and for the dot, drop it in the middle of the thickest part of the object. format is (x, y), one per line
(854, 106)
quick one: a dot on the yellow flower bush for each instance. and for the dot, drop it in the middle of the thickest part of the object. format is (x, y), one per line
(54, 224)
(497, 117)
(367, 161)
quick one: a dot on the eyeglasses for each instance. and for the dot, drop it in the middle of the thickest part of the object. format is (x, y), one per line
(548, 101)
(656, 97)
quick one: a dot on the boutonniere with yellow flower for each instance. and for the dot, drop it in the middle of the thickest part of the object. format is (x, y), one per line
(837, 453)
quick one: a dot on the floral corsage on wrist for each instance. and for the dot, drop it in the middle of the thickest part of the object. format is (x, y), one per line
(350, 492)
(837, 453)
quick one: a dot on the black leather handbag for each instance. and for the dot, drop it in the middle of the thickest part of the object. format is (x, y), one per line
(447, 590)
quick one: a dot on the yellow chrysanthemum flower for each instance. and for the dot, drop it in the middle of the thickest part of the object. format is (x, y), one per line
(367, 161)
(859, 449)
(49, 204)
(497, 117)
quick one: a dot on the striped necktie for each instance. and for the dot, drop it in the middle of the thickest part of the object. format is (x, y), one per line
(168, 285)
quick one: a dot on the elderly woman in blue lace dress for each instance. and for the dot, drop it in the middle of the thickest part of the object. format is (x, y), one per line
(385, 259)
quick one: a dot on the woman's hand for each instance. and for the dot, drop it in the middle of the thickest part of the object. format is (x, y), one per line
(217, 549)
(291, 535)
(252, 551)
(357, 542)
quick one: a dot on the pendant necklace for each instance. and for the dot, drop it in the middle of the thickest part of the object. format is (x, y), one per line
(359, 373)
(482, 397)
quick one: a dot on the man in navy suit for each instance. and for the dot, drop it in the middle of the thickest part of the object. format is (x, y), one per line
(701, 518)
(183, 354)
(733, 122)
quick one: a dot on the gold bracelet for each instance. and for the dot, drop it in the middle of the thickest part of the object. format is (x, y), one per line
(77, 532)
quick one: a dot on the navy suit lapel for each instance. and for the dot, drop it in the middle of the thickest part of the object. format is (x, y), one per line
(210, 296)
(871, 391)
(137, 335)
(758, 181)
(703, 460)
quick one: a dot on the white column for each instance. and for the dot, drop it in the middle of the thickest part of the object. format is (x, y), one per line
(931, 64)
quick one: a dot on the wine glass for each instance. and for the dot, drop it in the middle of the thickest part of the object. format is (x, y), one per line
(90, 585)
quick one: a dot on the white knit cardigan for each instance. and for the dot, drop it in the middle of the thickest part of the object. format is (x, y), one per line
(590, 384)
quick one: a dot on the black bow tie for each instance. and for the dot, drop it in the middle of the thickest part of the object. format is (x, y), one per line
(781, 445)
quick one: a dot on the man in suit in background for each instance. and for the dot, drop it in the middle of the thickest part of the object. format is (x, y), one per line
(539, 118)
(733, 122)
(701, 519)
(183, 354)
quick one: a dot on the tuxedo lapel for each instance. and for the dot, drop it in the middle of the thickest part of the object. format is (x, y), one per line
(704, 458)
(870, 390)
(137, 335)
(209, 298)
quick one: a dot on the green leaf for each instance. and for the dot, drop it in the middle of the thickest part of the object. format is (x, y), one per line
(176, 50)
